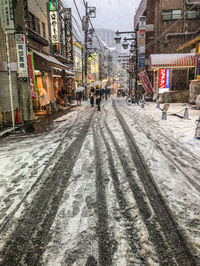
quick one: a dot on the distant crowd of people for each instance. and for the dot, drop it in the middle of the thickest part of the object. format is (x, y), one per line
(97, 94)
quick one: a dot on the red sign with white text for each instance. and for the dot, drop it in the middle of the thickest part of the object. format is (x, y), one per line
(164, 76)
(145, 82)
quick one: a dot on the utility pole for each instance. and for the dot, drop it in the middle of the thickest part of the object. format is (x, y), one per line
(23, 82)
(136, 66)
(86, 20)
(10, 80)
(82, 64)
(7, 23)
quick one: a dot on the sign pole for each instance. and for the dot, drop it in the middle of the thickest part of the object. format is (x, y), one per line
(86, 46)
(136, 66)
(10, 80)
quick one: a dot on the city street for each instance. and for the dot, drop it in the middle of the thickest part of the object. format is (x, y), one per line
(116, 187)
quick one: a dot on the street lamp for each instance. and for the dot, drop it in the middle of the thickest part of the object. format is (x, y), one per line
(132, 45)
(117, 37)
(125, 45)
(132, 50)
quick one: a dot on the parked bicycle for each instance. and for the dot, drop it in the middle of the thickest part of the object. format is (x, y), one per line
(130, 100)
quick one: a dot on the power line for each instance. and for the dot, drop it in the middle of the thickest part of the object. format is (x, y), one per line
(77, 10)
(60, 15)
(93, 28)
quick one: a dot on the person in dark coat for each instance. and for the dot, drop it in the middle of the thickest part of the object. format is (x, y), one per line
(106, 90)
(78, 97)
(92, 94)
(98, 95)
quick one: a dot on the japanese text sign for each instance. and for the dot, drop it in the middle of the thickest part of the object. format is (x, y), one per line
(7, 17)
(164, 80)
(145, 82)
(21, 55)
(54, 27)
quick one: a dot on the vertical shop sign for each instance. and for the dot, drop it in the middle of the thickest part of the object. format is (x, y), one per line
(7, 17)
(68, 35)
(52, 5)
(141, 41)
(164, 80)
(69, 82)
(198, 67)
(54, 25)
(145, 82)
(21, 56)
(32, 75)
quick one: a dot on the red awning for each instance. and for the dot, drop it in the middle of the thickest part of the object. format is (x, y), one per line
(172, 61)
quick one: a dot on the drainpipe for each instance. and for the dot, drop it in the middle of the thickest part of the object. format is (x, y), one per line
(179, 34)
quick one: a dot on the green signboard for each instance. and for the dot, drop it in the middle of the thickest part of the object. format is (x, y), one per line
(52, 5)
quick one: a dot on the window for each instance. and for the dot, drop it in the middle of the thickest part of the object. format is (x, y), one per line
(37, 25)
(193, 14)
(34, 23)
(176, 14)
(43, 30)
(171, 14)
(167, 15)
(31, 22)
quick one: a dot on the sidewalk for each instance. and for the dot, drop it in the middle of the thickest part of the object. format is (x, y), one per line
(42, 122)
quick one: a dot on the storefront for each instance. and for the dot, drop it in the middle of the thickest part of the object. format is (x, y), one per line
(171, 75)
(58, 81)
(193, 45)
(50, 77)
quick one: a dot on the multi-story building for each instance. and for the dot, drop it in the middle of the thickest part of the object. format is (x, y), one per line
(106, 35)
(170, 23)
(41, 53)
(7, 24)
(47, 38)
(78, 65)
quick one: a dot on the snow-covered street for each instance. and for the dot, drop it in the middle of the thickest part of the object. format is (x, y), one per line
(117, 187)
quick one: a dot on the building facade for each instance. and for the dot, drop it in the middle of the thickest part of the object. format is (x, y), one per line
(40, 45)
(169, 24)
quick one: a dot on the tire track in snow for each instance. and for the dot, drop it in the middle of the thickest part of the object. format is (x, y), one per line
(131, 231)
(104, 241)
(176, 242)
(27, 243)
(6, 223)
(155, 234)
(150, 122)
(175, 161)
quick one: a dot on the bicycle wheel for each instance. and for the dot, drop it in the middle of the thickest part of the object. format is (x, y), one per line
(129, 101)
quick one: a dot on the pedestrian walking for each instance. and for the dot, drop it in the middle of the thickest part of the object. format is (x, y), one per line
(92, 94)
(79, 97)
(98, 95)
(44, 99)
(106, 91)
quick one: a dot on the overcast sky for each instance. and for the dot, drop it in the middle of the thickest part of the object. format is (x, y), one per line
(111, 14)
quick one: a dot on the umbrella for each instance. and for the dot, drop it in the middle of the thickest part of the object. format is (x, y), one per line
(97, 83)
(80, 89)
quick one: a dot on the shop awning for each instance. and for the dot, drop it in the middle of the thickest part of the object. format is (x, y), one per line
(68, 72)
(55, 62)
(172, 61)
